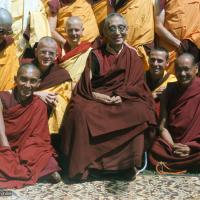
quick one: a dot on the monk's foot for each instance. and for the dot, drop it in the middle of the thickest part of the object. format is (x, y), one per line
(54, 177)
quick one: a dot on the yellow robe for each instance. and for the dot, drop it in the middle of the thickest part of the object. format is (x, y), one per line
(63, 96)
(139, 16)
(170, 79)
(26, 12)
(76, 65)
(182, 20)
(101, 9)
(9, 65)
(84, 10)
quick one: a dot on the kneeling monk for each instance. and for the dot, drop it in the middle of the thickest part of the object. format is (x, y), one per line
(25, 150)
(177, 150)
(111, 109)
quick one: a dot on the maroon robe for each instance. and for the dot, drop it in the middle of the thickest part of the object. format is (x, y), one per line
(101, 136)
(184, 127)
(31, 155)
(55, 75)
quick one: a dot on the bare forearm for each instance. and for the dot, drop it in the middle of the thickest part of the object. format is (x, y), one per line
(167, 36)
(61, 40)
(4, 140)
(164, 134)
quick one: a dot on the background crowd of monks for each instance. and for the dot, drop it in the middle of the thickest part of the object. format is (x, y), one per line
(106, 89)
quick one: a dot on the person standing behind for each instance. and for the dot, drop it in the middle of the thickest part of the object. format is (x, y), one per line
(29, 23)
(61, 10)
(75, 51)
(9, 63)
(140, 19)
(178, 28)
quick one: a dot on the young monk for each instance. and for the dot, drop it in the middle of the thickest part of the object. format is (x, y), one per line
(61, 10)
(25, 150)
(156, 77)
(178, 147)
(75, 51)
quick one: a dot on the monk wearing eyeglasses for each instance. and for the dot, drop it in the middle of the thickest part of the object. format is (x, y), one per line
(111, 110)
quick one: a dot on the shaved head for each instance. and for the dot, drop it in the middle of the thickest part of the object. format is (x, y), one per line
(28, 67)
(47, 40)
(185, 56)
(5, 17)
(46, 52)
(74, 29)
(74, 19)
(185, 69)
(27, 81)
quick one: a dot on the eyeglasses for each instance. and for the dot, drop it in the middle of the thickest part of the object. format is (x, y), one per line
(50, 53)
(120, 28)
(6, 32)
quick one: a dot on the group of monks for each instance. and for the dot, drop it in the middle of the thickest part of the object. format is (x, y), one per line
(89, 79)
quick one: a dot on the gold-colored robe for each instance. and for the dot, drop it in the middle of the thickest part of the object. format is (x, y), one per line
(140, 20)
(84, 10)
(9, 65)
(182, 20)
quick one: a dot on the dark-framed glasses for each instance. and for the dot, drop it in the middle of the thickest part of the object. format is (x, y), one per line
(6, 32)
(120, 28)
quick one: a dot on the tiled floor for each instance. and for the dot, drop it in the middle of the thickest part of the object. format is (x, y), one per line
(149, 186)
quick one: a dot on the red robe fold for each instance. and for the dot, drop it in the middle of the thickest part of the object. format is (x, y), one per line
(184, 127)
(54, 76)
(69, 53)
(95, 134)
(31, 155)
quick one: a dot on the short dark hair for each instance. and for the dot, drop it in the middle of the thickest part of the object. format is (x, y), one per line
(163, 50)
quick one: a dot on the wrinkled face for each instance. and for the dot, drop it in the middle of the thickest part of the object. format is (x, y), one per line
(185, 71)
(157, 62)
(27, 82)
(46, 54)
(115, 32)
(74, 31)
(5, 30)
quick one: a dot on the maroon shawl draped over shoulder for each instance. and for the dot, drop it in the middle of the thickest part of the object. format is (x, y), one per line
(92, 129)
(183, 125)
(54, 76)
(31, 155)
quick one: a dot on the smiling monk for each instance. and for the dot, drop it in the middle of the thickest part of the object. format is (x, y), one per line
(178, 147)
(25, 150)
(111, 109)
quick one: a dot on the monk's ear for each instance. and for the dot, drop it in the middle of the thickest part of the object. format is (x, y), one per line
(167, 63)
(196, 69)
(38, 83)
(35, 52)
